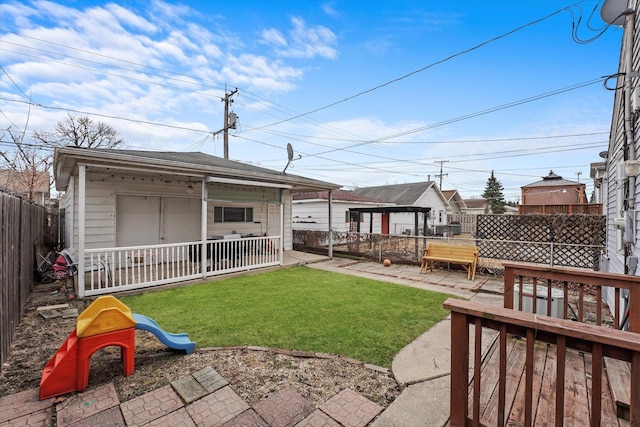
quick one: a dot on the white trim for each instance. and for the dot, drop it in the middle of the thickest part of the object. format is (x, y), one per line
(150, 171)
(245, 182)
(82, 184)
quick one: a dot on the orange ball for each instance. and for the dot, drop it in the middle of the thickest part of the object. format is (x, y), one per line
(386, 262)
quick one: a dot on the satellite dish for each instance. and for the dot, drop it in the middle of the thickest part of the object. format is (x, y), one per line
(290, 151)
(612, 12)
(290, 157)
(603, 154)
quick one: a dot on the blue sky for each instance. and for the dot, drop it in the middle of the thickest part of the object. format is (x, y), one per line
(367, 93)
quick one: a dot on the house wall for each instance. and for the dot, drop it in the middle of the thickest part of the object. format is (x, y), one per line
(101, 200)
(622, 244)
(314, 214)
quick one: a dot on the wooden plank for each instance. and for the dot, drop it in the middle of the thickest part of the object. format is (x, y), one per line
(545, 413)
(619, 376)
(514, 368)
(576, 398)
(609, 417)
(489, 372)
(517, 414)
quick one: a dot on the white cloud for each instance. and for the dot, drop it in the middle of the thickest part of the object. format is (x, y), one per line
(304, 41)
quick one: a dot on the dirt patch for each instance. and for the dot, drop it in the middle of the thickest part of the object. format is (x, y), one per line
(253, 374)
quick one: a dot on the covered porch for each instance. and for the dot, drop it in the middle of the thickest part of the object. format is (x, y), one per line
(141, 219)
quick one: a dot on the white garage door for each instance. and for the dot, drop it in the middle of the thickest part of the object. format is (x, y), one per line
(145, 220)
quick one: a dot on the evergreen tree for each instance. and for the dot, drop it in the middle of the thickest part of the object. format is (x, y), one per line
(493, 194)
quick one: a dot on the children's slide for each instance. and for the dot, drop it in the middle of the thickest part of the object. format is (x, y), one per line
(175, 341)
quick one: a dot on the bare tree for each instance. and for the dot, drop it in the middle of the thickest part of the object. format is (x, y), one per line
(25, 167)
(81, 132)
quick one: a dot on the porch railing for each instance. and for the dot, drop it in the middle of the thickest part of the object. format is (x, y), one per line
(582, 329)
(574, 281)
(109, 270)
(600, 342)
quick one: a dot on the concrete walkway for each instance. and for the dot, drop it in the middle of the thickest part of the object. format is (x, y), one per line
(423, 366)
(205, 398)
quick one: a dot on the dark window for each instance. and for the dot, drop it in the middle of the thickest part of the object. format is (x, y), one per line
(232, 214)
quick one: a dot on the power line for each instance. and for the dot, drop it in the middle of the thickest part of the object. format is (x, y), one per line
(455, 55)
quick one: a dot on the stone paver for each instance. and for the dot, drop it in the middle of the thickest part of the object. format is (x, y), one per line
(179, 418)
(86, 404)
(23, 403)
(112, 417)
(318, 419)
(351, 409)
(189, 389)
(217, 408)
(151, 406)
(284, 408)
(41, 418)
(247, 419)
(210, 379)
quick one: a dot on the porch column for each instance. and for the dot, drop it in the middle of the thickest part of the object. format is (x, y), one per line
(330, 252)
(82, 181)
(281, 245)
(203, 228)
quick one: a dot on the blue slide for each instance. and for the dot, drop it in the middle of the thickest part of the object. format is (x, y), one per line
(175, 341)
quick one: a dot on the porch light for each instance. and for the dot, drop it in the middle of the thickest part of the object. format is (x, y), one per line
(189, 188)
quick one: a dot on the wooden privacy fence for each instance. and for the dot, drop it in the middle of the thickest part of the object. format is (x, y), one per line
(21, 230)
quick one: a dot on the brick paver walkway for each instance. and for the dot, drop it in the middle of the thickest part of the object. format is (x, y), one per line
(202, 399)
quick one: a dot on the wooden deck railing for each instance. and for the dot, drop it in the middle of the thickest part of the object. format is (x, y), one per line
(579, 281)
(565, 334)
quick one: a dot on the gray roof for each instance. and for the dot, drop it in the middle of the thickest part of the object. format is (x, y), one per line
(552, 180)
(67, 158)
(400, 194)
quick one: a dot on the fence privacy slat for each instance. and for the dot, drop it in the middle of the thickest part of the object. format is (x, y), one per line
(22, 227)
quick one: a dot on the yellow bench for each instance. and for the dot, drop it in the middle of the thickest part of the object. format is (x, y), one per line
(466, 256)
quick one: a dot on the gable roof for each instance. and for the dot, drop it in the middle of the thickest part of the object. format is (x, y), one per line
(196, 164)
(400, 194)
(453, 197)
(475, 203)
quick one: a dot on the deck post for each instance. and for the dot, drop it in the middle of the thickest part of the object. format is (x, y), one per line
(459, 370)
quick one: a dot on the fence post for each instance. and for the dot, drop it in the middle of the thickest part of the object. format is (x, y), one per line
(551, 254)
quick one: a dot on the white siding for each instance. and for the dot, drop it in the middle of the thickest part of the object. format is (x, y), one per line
(314, 215)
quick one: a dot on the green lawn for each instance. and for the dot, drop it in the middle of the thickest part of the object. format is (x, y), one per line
(297, 308)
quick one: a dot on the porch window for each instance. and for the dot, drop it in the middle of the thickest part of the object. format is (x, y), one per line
(232, 214)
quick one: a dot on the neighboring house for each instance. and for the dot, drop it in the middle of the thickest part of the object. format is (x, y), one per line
(455, 201)
(554, 195)
(413, 195)
(477, 206)
(33, 186)
(310, 212)
(598, 172)
(182, 203)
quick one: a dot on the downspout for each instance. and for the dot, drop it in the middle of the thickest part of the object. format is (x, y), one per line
(330, 253)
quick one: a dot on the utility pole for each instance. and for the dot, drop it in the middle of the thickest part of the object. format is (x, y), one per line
(441, 174)
(228, 124)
